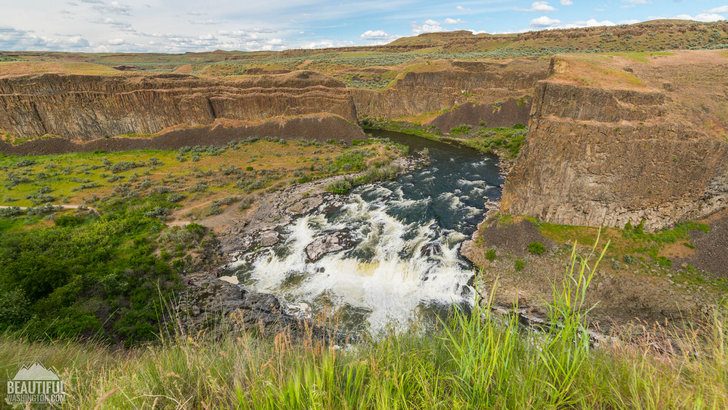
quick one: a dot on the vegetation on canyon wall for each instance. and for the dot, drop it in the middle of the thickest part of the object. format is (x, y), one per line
(505, 142)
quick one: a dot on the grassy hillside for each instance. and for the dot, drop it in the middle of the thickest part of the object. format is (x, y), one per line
(484, 361)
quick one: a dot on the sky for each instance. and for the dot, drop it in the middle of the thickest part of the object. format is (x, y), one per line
(204, 25)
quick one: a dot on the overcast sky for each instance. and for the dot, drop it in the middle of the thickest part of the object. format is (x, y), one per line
(205, 25)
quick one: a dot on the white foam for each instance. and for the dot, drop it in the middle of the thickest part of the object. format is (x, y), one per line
(389, 286)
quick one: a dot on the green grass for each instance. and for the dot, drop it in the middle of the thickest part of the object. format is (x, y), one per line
(196, 175)
(629, 240)
(642, 56)
(472, 361)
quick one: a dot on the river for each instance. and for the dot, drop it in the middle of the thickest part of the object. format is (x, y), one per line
(406, 267)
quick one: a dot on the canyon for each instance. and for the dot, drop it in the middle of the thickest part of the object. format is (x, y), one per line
(612, 139)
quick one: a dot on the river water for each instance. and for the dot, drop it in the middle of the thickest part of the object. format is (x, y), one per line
(406, 266)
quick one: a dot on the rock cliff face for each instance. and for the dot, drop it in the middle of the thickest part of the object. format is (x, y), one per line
(607, 154)
(86, 107)
(443, 85)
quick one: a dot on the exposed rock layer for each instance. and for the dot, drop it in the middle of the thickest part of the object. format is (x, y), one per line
(436, 88)
(87, 107)
(608, 156)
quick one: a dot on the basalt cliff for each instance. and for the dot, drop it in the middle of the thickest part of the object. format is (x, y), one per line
(613, 140)
(457, 93)
(86, 107)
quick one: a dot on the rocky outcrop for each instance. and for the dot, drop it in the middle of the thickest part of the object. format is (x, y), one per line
(84, 107)
(334, 242)
(443, 85)
(207, 300)
(608, 156)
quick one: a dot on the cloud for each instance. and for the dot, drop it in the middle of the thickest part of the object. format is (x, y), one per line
(119, 25)
(204, 22)
(635, 1)
(540, 6)
(721, 9)
(566, 2)
(14, 39)
(327, 44)
(377, 37)
(704, 17)
(107, 8)
(544, 22)
(374, 35)
(452, 21)
(429, 26)
(588, 23)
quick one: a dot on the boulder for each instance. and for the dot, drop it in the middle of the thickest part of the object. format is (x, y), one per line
(334, 242)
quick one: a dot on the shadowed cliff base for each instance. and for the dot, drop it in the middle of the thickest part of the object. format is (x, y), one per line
(318, 127)
(505, 114)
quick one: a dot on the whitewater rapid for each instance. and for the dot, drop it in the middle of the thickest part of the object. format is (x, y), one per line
(405, 266)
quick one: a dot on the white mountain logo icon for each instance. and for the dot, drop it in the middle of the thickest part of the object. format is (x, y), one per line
(35, 372)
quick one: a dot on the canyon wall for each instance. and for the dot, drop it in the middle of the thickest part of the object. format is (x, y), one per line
(84, 107)
(462, 85)
(625, 143)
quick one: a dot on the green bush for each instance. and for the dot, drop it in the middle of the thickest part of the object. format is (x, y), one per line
(490, 255)
(68, 220)
(536, 248)
(463, 129)
(520, 264)
(96, 278)
(340, 186)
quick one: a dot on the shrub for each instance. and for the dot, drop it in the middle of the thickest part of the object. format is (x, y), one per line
(12, 211)
(463, 129)
(246, 203)
(340, 186)
(68, 220)
(122, 166)
(520, 264)
(490, 255)
(159, 212)
(536, 248)
(175, 197)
